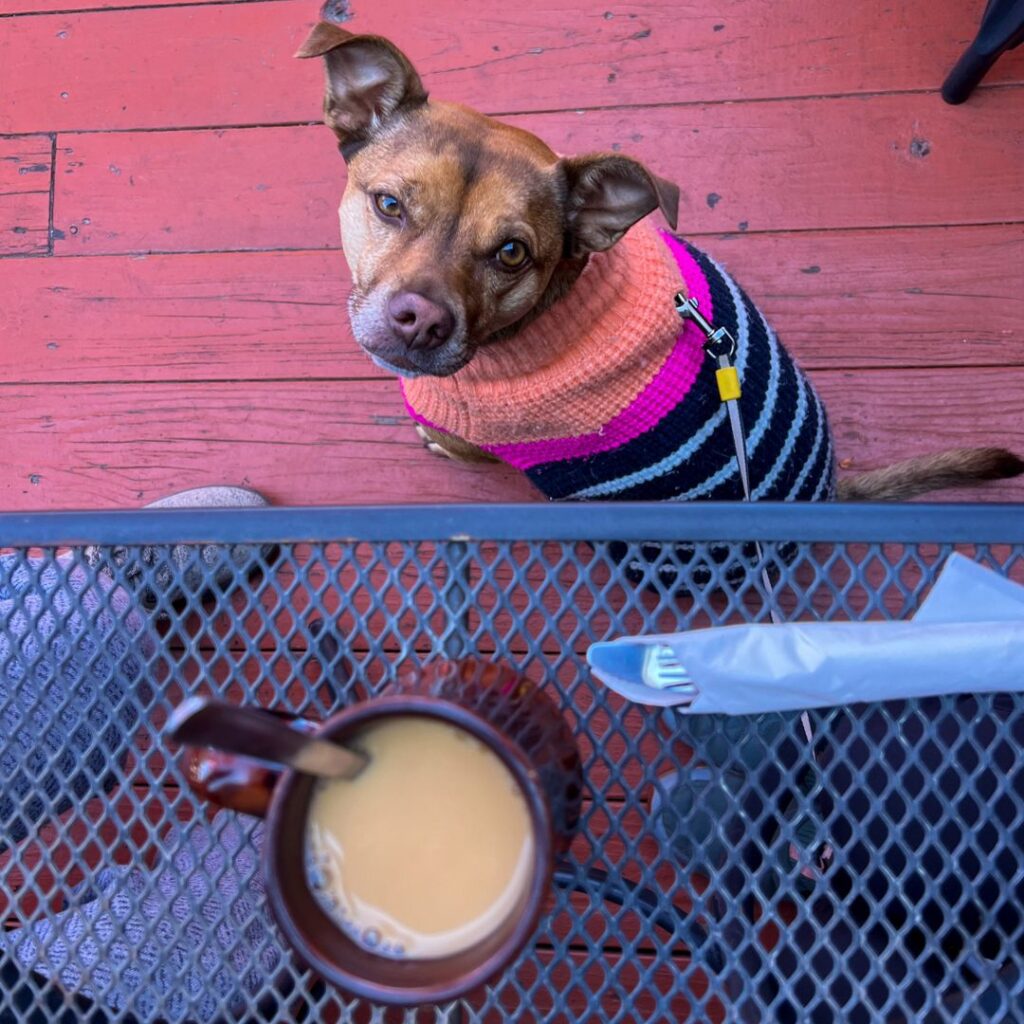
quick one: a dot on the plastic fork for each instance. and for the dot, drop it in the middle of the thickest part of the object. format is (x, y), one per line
(640, 669)
(664, 671)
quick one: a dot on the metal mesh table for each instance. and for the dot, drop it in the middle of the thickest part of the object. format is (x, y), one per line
(726, 869)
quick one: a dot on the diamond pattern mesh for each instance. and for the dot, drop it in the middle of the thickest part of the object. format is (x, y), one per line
(725, 869)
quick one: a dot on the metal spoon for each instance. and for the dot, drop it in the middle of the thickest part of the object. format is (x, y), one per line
(200, 722)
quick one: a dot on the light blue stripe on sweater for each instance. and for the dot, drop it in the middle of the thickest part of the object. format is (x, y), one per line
(696, 440)
(820, 434)
(787, 446)
(827, 481)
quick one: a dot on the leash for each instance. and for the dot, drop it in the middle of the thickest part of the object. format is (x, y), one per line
(720, 345)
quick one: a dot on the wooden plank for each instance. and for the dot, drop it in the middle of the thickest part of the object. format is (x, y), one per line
(503, 614)
(880, 161)
(907, 297)
(158, 67)
(194, 317)
(871, 161)
(349, 442)
(903, 297)
(25, 167)
(553, 55)
(879, 416)
(168, 191)
(15, 8)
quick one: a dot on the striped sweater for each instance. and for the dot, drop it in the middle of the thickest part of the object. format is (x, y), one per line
(608, 395)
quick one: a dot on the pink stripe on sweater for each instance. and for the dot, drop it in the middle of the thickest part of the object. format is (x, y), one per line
(669, 386)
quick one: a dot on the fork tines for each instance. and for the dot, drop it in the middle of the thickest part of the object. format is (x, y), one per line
(664, 671)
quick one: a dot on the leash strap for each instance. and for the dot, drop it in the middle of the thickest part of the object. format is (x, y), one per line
(720, 345)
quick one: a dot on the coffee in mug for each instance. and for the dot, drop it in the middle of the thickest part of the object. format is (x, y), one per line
(429, 850)
(527, 818)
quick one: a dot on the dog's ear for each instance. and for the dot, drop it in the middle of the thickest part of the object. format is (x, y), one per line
(607, 194)
(368, 81)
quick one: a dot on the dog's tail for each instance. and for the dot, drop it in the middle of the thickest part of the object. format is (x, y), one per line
(958, 467)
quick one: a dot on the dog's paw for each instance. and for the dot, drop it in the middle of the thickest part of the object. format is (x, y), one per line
(435, 449)
(430, 444)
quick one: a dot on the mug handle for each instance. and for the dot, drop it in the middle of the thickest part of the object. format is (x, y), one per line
(232, 781)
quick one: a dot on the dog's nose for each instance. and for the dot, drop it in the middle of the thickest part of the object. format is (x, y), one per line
(418, 321)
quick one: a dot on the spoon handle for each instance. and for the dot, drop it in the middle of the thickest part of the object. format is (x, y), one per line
(199, 722)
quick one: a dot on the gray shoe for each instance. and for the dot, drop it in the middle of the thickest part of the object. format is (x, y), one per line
(185, 940)
(155, 576)
(72, 687)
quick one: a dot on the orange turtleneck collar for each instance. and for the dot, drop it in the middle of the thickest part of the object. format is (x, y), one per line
(575, 367)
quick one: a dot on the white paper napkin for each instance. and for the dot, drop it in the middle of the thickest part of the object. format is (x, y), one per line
(967, 637)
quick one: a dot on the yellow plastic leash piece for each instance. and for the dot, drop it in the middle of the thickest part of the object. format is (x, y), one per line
(728, 383)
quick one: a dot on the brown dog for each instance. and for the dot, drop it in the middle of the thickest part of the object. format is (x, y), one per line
(465, 235)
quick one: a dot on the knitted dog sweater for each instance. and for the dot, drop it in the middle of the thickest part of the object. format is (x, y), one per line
(608, 395)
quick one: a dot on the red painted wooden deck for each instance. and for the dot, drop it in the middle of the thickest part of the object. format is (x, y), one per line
(171, 285)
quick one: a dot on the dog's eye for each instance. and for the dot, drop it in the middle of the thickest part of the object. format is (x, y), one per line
(513, 254)
(389, 206)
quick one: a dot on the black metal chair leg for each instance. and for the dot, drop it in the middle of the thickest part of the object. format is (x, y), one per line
(1002, 28)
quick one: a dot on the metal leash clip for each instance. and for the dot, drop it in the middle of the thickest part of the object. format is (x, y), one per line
(720, 343)
(721, 346)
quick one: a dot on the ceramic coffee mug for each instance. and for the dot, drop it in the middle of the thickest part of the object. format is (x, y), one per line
(514, 720)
